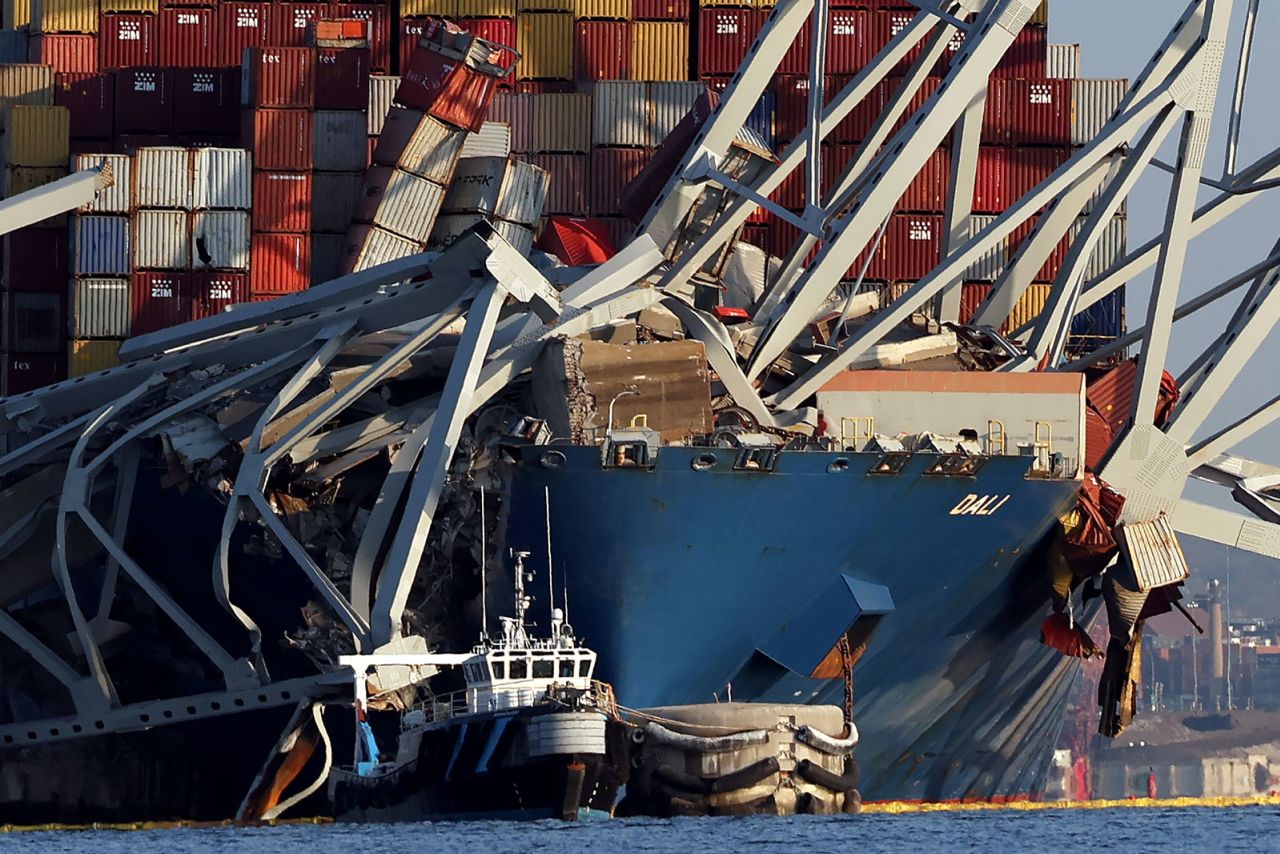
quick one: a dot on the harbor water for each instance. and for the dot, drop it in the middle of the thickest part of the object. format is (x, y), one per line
(1155, 829)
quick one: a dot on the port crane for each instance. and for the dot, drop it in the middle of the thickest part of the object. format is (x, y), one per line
(70, 444)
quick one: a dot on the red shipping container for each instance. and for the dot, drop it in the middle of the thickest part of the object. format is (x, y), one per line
(240, 26)
(796, 59)
(568, 192)
(848, 41)
(791, 192)
(206, 100)
(602, 50)
(36, 260)
(857, 125)
(546, 87)
(158, 300)
(791, 110)
(129, 143)
(279, 139)
(1027, 56)
(577, 240)
(995, 118)
(278, 77)
(1029, 166)
(755, 234)
(144, 100)
(91, 101)
(411, 30)
(780, 237)
(379, 18)
(1039, 111)
(451, 91)
(834, 160)
(972, 296)
(928, 190)
(24, 372)
(126, 40)
(1053, 264)
(725, 36)
(912, 246)
(612, 169)
(990, 186)
(282, 201)
(885, 25)
(918, 99)
(660, 10)
(66, 53)
(212, 293)
(188, 37)
(279, 263)
(288, 22)
(497, 30)
(205, 140)
(342, 78)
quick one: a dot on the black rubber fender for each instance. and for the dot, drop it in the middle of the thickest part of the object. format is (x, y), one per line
(820, 776)
(743, 778)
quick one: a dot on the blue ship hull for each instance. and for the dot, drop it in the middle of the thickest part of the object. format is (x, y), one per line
(686, 581)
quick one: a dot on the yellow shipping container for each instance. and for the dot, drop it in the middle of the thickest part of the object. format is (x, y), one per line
(562, 123)
(19, 179)
(17, 14)
(618, 10)
(544, 5)
(1029, 307)
(37, 136)
(64, 16)
(1040, 16)
(545, 43)
(660, 50)
(436, 8)
(486, 8)
(87, 357)
(146, 6)
(25, 84)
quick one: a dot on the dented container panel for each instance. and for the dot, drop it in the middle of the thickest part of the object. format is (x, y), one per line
(118, 197)
(100, 308)
(220, 240)
(500, 187)
(400, 202)
(162, 177)
(222, 178)
(449, 227)
(368, 246)
(420, 145)
(160, 240)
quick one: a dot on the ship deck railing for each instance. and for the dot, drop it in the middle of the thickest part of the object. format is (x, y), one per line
(445, 707)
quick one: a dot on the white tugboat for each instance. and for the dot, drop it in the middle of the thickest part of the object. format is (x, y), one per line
(532, 735)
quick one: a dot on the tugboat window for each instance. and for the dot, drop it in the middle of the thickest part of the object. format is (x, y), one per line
(483, 668)
(499, 669)
(543, 669)
(566, 667)
(584, 667)
(519, 668)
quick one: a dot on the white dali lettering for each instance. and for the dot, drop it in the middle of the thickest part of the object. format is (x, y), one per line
(979, 505)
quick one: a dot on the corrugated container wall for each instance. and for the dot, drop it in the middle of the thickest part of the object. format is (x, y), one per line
(213, 292)
(992, 264)
(724, 37)
(620, 114)
(278, 77)
(448, 228)
(486, 8)
(1029, 306)
(17, 14)
(567, 194)
(102, 245)
(241, 25)
(849, 42)
(659, 50)
(101, 308)
(127, 39)
(160, 240)
(333, 201)
(382, 90)
(517, 111)
(342, 79)
(67, 53)
(368, 247)
(91, 100)
(222, 178)
(602, 50)
(279, 263)
(612, 169)
(1111, 246)
(420, 145)
(220, 240)
(89, 357)
(668, 104)
(158, 300)
(149, 7)
(162, 177)
(339, 141)
(283, 201)
(188, 37)
(563, 122)
(37, 136)
(1095, 103)
(618, 10)
(1038, 111)
(116, 198)
(399, 202)
(205, 100)
(25, 84)
(501, 187)
(546, 45)
(492, 140)
(1063, 61)
(145, 100)
(279, 139)
(64, 16)
(34, 323)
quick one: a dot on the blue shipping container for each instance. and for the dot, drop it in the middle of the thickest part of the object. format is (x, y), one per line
(1101, 322)
(102, 246)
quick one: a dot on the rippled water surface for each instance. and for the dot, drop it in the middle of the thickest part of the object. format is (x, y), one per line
(1135, 830)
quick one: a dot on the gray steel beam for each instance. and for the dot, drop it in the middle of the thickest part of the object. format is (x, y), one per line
(965, 148)
(1227, 528)
(56, 197)
(1224, 440)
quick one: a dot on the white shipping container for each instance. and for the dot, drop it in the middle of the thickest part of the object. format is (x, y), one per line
(430, 148)
(382, 91)
(220, 240)
(492, 140)
(668, 104)
(450, 226)
(1095, 103)
(338, 141)
(223, 179)
(334, 196)
(162, 177)
(368, 247)
(501, 187)
(118, 197)
(620, 113)
(407, 205)
(101, 308)
(1063, 62)
(991, 265)
(562, 122)
(160, 240)
(1109, 249)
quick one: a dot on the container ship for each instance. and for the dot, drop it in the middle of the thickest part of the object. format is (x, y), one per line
(292, 162)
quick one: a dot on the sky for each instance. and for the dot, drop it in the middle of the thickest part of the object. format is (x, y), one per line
(1118, 37)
